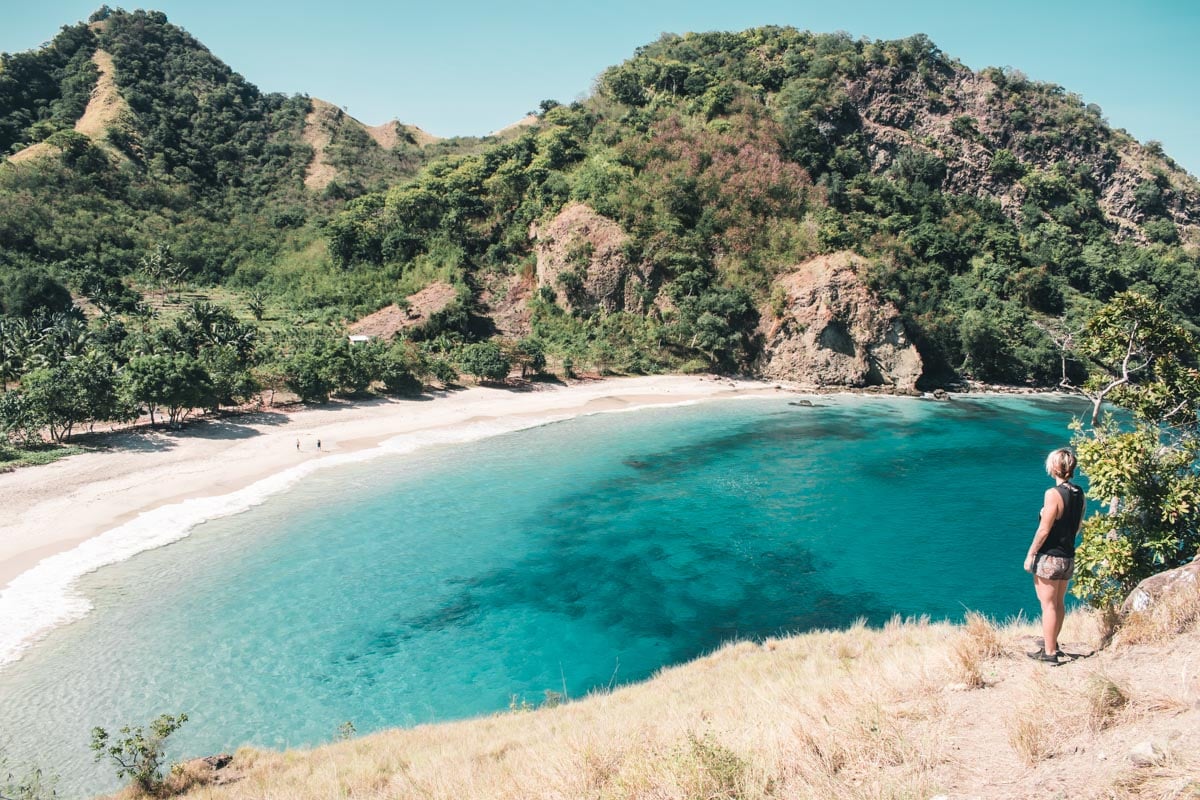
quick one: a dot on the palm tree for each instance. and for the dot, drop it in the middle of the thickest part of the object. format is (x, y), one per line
(11, 353)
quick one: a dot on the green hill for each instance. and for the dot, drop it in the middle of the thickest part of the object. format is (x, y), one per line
(796, 205)
(983, 203)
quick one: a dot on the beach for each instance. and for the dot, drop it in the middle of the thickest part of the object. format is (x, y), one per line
(61, 510)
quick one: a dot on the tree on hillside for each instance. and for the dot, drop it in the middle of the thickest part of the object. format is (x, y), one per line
(29, 293)
(177, 383)
(1144, 470)
(304, 373)
(160, 267)
(60, 398)
(486, 361)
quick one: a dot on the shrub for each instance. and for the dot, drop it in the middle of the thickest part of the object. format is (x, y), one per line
(1005, 166)
(486, 361)
(28, 293)
(442, 371)
(1146, 472)
(398, 379)
(138, 755)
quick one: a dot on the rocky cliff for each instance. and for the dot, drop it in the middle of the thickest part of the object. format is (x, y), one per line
(992, 128)
(827, 328)
(581, 258)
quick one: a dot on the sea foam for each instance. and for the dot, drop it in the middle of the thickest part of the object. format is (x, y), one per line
(45, 597)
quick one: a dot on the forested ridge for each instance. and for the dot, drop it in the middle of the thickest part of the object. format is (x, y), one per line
(188, 245)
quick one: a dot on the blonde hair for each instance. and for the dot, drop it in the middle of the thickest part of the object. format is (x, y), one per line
(1061, 464)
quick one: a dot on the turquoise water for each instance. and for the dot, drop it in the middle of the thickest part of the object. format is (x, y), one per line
(566, 558)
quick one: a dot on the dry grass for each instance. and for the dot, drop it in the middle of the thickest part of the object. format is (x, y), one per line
(1179, 613)
(106, 107)
(1103, 700)
(1029, 735)
(860, 713)
(979, 642)
(850, 714)
(1177, 778)
(318, 134)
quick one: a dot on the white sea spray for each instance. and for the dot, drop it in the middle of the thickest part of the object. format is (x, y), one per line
(45, 596)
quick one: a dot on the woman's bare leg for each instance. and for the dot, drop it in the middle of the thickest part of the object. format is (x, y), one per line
(1048, 595)
(1060, 602)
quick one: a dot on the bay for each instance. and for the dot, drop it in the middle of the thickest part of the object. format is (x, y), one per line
(565, 559)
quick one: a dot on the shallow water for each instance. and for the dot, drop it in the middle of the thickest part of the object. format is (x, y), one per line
(566, 558)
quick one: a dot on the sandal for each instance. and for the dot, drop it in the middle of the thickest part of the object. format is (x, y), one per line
(1043, 656)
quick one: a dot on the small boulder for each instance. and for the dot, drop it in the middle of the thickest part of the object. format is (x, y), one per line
(220, 761)
(1146, 754)
(1154, 588)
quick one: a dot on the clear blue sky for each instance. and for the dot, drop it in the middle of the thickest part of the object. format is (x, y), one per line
(472, 66)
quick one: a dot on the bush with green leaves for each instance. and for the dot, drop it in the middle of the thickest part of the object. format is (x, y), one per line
(486, 361)
(530, 354)
(398, 366)
(28, 293)
(304, 374)
(1145, 469)
(138, 754)
(178, 383)
(442, 370)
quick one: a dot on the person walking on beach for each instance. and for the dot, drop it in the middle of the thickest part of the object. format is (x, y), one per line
(1051, 556)
(318, 444)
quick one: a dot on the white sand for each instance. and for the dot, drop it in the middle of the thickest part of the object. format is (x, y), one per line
(63, 507)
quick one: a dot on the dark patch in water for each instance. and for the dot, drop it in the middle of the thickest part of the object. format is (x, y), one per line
(602, 563)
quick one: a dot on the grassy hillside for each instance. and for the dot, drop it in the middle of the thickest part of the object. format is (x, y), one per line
(198, 161)
(910, 710)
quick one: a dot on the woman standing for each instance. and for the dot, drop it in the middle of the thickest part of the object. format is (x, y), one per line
(1051, 557)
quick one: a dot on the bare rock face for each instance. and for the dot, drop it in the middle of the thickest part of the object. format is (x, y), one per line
(974, 115)
(833, 331)
(1154, 588)
(418, 308)
(505, 300)
(580, 256)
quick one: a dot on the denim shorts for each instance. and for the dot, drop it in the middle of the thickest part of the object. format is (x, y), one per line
(1054, 568)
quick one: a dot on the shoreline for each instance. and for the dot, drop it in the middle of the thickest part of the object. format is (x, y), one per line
(71, 517)
(148, 489)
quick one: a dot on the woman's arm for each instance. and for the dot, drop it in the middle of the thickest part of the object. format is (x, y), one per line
(1051, 510)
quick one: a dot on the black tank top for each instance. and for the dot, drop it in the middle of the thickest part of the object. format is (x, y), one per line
(1061, 541)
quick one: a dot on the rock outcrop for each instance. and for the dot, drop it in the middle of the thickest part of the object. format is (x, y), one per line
(416, 311)
(830, 329)
(581, 257)
(973, 115)
(1154, 588)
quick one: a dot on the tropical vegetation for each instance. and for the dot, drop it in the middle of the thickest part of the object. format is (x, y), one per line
(182, 261)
